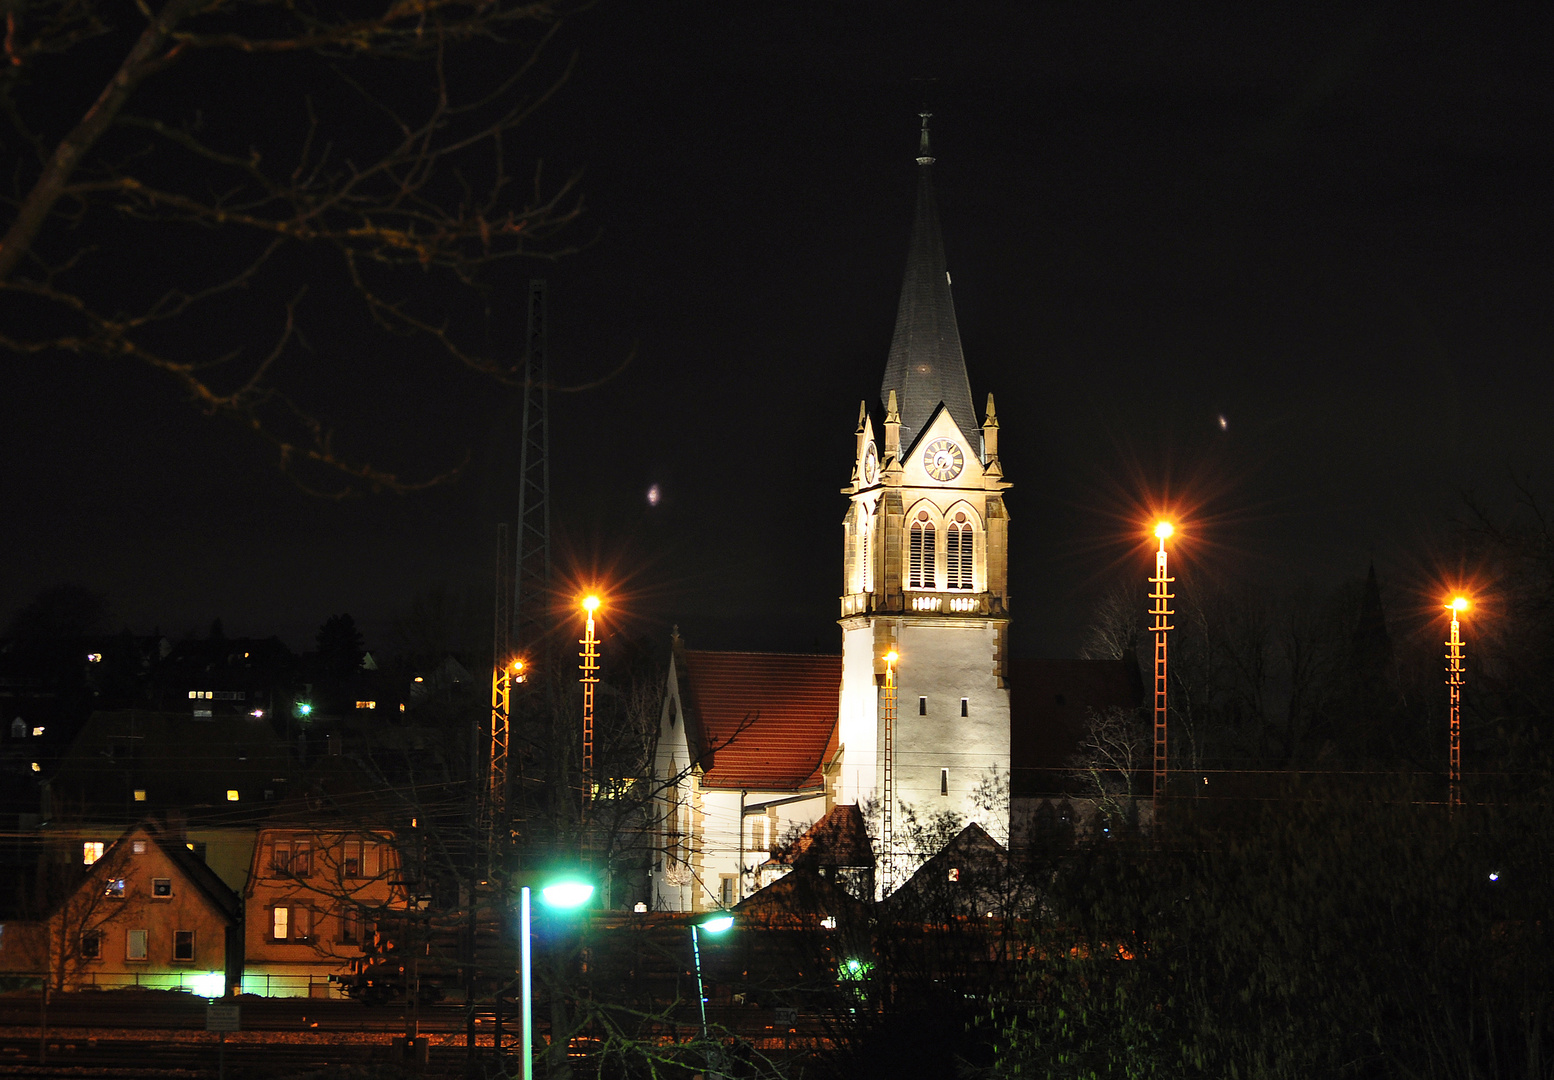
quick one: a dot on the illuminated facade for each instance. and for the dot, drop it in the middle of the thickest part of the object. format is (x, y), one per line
(925, 569)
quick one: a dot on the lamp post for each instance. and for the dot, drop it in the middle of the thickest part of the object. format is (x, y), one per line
(1160, 627)
(887, 829)
(716, 924)
(565, 895)
(502, 682)
(1454, 673)
(590, 676)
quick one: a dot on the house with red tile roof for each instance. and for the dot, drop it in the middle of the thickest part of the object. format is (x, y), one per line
(746, 748)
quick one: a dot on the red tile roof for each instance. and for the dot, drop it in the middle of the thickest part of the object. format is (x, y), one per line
(841, 838)
(765, 720)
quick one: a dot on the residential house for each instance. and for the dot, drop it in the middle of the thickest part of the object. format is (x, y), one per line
(324, 870)
(141, 911)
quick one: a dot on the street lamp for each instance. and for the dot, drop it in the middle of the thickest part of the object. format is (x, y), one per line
(1161, 613)
(502, 681)
(566, 894)
(887, 829)
(590, 669)
(1454, 672)
(716, 924)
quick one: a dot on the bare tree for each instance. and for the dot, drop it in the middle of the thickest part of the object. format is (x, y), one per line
(1115, 624)
(1117, 749)
(183, 176)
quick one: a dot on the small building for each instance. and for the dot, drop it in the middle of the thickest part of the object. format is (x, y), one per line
(144, 911)
(324, 871)
(744, 745)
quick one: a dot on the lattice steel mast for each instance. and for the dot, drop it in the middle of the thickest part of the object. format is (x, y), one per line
(887, 829)
(523, 563)
(1454, 673)
(532, 599)
(1160, 627)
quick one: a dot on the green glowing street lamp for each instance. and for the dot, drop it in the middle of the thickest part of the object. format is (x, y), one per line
(713, 924)
(565, 894)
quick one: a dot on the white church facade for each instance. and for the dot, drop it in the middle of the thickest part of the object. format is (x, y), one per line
(925, 552)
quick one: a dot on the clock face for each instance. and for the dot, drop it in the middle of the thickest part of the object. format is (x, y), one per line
(943, 459)
(871, 464)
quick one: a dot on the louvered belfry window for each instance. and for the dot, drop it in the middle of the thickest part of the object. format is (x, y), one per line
(958, 546)
(865, 579)
(922, 557)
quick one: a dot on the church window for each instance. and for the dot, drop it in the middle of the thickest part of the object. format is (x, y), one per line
(964, 705)
(958, 548)
(864, 577)
(922, 559)
(922, 706)
(944, 781)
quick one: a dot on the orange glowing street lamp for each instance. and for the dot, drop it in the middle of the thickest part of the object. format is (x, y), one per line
(887, 829)
(1161, 614)
(502, 681)
(1454, 672)
(590, 677)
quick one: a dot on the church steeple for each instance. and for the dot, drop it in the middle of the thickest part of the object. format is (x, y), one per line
(926, 366)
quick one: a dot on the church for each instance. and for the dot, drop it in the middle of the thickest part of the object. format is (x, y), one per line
(912, 722)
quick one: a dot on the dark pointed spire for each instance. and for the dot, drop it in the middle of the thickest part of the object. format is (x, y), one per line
(926, 366)
(1371, 644)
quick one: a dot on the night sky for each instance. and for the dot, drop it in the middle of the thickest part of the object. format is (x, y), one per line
(1327, 227)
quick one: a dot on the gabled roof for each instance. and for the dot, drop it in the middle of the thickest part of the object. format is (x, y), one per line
(192, 868)
(759, 720)
(926, 365)
(841, 838)
(984, 880)
(1049, 702)
(801, 896)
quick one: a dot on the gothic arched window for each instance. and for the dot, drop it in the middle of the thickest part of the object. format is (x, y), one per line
(865, 576)
(922, 561)
(958, 558)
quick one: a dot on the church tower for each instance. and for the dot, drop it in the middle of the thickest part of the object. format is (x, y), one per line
(925, 565)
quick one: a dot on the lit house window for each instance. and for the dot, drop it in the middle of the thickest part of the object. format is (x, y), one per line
(140, 794)
(291, 923)
(37, 732)
(115, 889)
(138, 847)
(366, 704)
(231, 794)
(91, 851)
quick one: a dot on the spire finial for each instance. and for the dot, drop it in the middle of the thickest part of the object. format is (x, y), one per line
(924, 157)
